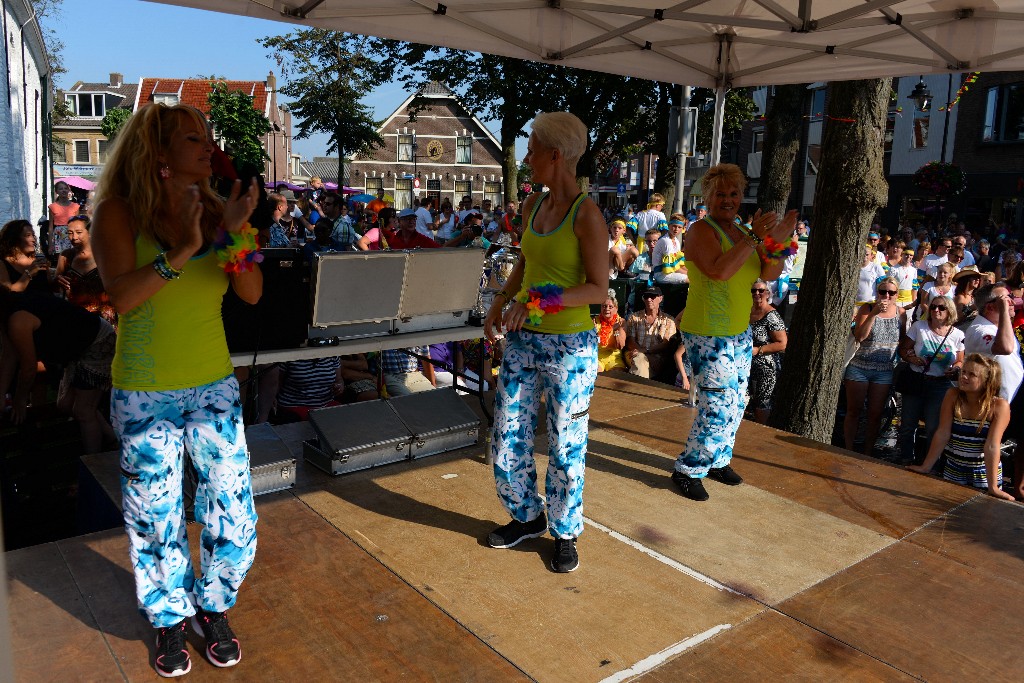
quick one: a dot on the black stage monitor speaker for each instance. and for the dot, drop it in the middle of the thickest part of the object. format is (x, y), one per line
(280, 320)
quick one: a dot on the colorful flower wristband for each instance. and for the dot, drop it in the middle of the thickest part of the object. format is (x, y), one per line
(164, 268)
(541, 299)
(776, 251)
(237, 252)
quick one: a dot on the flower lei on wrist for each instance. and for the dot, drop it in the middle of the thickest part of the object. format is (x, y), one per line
(776, 251)
(542, 298)
(237, 252)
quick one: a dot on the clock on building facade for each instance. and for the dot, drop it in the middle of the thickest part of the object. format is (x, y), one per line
(435, 149)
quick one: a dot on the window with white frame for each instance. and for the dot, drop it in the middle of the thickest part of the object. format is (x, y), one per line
(919, 133)
(403, 193)
(86, 104)
(464, 149)
(81, 151)
(374, 185)
(1004, 114)
(463, 188)
(492, 193)
(404, 147)
(170, 99)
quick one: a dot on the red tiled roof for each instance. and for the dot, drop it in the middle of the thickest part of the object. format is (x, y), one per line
(194, 92)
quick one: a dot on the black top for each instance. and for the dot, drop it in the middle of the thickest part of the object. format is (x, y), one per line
(39, 283)
(66, 330)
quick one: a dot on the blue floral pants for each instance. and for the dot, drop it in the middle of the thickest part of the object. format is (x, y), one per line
(154, 427)
(562, 367)
(721, 369)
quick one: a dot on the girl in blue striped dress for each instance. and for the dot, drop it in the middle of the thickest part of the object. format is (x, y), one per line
(971, 426)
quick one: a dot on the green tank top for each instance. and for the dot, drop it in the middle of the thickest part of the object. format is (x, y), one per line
(175, 339)
(716, 308)
(556, 257)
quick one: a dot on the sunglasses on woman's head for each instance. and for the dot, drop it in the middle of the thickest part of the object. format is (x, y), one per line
(887, 292)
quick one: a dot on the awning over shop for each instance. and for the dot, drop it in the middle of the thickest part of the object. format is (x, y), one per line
(77, 182)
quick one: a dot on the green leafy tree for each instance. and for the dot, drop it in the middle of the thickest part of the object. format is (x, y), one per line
(490, 87)
(240, 124)
(327, 73)
(739, 108)
(113, 121)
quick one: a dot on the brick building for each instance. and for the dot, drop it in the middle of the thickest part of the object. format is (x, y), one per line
(448, 150)
(85, 147)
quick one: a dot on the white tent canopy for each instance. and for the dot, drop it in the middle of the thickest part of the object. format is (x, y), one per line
(713, 43)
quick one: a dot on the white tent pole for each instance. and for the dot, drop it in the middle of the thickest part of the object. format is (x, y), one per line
(684, 135)
(716, 139)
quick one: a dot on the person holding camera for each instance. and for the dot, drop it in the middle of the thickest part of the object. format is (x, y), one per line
(25, 270)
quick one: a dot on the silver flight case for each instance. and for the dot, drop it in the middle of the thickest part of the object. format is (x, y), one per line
(356, 436)
(439, 421)
(271, 464)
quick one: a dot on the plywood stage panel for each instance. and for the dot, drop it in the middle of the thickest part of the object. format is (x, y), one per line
(314, 607)
(923, 613)
(861, 490)
(426, 523)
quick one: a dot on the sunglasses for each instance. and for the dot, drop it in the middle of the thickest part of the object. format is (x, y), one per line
(887, 292)
(651, 296)
(755, 290)
(936, 307)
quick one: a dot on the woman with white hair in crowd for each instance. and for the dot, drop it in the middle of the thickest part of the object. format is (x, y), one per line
(551, 345)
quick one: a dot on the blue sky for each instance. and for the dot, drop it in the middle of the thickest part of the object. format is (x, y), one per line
(143, 39)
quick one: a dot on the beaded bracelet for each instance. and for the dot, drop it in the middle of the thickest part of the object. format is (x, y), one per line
(164, 268)
(541, 299)
(776, 251)
(237, 252)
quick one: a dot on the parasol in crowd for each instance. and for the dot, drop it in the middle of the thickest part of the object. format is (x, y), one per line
(364, 198)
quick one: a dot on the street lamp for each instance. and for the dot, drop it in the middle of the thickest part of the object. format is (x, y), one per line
(921, 96)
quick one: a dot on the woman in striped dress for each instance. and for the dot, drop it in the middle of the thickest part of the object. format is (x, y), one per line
(971, 427)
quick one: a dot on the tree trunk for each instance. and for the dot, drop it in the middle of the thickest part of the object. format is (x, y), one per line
(850, 188)
(509, 167)
(341, 169)
(783, 127)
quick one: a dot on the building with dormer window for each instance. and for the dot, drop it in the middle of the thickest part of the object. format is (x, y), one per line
(85, 147)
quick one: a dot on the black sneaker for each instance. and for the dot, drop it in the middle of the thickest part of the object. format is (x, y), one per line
(726, 475)
(565, 559)
(172, 658)
(690, 487)
(222, 648)
(515, 532)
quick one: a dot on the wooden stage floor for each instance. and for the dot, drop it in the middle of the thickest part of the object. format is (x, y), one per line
(822, 566)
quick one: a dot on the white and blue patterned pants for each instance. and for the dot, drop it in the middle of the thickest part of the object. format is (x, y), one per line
(721, 370)
(154, 427)
(564, 368)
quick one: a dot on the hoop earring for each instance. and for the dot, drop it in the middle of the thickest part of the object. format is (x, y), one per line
(165, 172)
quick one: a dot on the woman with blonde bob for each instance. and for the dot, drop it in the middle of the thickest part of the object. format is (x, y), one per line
(167, 248)
(971, 427)
(551, 345)
(724, 257)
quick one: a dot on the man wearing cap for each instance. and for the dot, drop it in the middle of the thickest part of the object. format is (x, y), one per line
(472, 233)
(406, 236)
(649, 338)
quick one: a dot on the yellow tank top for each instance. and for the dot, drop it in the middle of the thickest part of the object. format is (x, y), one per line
(717, 308)
(556, 257)
(174, 339)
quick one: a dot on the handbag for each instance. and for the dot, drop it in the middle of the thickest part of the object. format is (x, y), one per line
(908, 381)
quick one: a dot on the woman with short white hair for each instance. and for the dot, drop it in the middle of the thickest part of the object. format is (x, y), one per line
(551, 345)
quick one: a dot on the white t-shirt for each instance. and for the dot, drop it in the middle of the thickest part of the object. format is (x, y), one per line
(869, 274)
(424, 222)
(446, 229)
(932, 262)
(665, 246)
(905, 275)
(647, 219)
(979, 338)
(927, 343)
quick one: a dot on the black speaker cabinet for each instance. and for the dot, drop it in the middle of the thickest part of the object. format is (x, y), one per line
(281, 318)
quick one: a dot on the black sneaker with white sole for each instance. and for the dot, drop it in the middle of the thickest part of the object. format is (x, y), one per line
(222, 648)
(515, 532)
(690, 487)
(172, 658)
(726, 475)
(565, 559)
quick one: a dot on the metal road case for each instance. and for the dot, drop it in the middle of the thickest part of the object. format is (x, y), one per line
(357, 436)
(271, 464)
(439, 420)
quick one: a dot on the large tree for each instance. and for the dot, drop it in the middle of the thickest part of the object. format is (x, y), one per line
(327, 73)
(782, 131)
(850, 189)
(240, 124)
